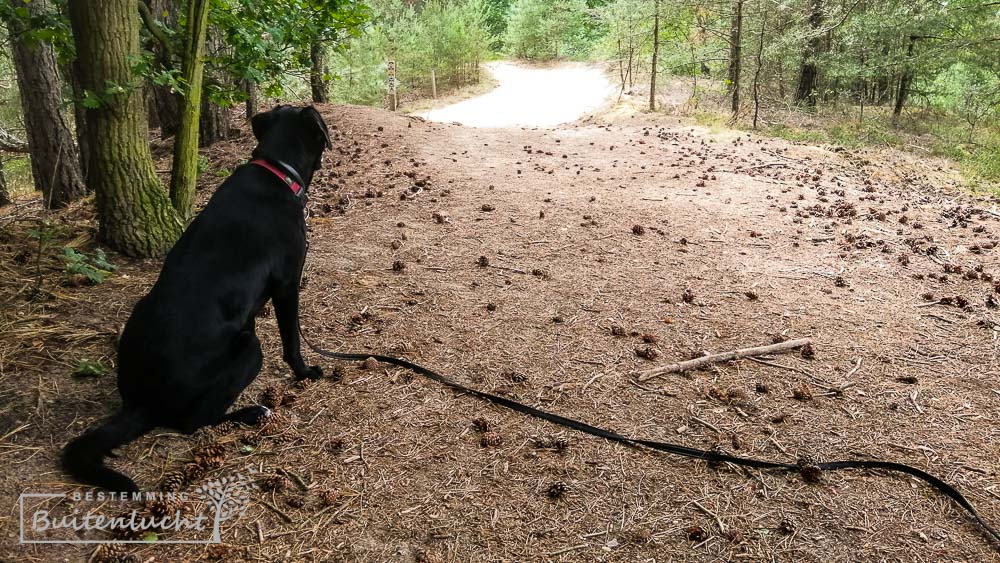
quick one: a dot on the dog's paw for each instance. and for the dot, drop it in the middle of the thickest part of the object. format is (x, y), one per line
(250, 416)
(312, 372)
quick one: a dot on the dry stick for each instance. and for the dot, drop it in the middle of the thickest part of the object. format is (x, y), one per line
(723, 357)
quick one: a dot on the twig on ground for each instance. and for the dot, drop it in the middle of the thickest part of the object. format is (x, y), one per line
(718, 521)
(568, 549)
(723, 357)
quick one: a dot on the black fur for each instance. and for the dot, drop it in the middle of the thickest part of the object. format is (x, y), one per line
(190, 348)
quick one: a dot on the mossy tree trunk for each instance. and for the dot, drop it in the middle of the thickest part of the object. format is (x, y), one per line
(185, 169)
(134, 211)
(55, 162)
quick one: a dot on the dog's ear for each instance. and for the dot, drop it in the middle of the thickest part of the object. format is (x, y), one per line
(316, 120)
(262, 123)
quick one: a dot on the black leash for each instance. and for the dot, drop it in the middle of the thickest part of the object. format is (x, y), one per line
(704, 455)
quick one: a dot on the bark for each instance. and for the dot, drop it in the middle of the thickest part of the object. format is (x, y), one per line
(251, 103)
(216, 123)
(79, 116)
(164, 104)
(4, 192)
(317, 73)
(735, 55)
(904, 82)
(184, 173)
(806, 92)
(55, 162)
(760, 64)
(135, 216)
(656, 54)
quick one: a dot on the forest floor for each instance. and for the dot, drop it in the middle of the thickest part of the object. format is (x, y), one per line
(689, 240)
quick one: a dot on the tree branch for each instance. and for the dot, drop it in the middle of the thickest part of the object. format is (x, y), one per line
(156, 32)
(10, 143)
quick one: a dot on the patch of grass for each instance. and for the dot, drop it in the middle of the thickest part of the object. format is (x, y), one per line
(934, 133)
(17, 173)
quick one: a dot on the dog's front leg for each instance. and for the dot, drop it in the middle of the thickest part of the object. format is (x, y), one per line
(286, 311)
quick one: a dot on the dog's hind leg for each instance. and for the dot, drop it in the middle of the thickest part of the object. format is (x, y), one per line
(246, 363)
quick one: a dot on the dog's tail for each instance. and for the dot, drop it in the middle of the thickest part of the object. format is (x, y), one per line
(83, 458)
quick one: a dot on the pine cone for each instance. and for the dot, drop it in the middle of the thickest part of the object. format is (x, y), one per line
(490, 439)
(163, 507)
(107, 553)
(274, 483)
(273, 425)
(220, 551)
(329, 497)
(173, 481)
(210, 456)
(295, 501)
(272, 396)
(127, 533)
(193, 472)
(557, 490)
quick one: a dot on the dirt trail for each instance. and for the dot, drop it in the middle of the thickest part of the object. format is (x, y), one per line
(689, 241)
(531, 97)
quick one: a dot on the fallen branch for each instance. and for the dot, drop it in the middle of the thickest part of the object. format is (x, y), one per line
(723, 357)
(10, 143)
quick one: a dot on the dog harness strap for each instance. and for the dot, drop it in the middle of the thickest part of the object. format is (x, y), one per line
(288, 180)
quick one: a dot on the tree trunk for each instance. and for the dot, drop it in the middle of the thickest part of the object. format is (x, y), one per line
(55, 161)
(79, 115)
(904, 82)
(735, 56)
(251, 103)
(317, 73)
(134, 212)
(809, 73)
(184, 173)
(656, 54)
(216, 124)
(5, 198)
(759, 65)
(164, 104)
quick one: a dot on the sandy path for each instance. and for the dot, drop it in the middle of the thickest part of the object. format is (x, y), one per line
(531, 97)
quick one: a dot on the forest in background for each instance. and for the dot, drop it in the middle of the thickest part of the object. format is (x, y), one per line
(919, 75)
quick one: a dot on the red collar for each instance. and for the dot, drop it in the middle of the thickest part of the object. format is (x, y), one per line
(288, 180)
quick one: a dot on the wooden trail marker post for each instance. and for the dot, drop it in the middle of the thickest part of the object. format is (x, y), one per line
(390, 70)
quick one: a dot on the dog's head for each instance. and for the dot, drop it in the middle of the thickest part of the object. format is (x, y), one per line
(283, 128)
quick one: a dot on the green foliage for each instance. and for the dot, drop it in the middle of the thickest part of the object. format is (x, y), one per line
(543, 30)
(449, 37)
(95, 268)
(90, 368)
(266, 40)
(203, 164)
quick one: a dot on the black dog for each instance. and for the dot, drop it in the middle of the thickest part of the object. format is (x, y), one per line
(189, 348)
